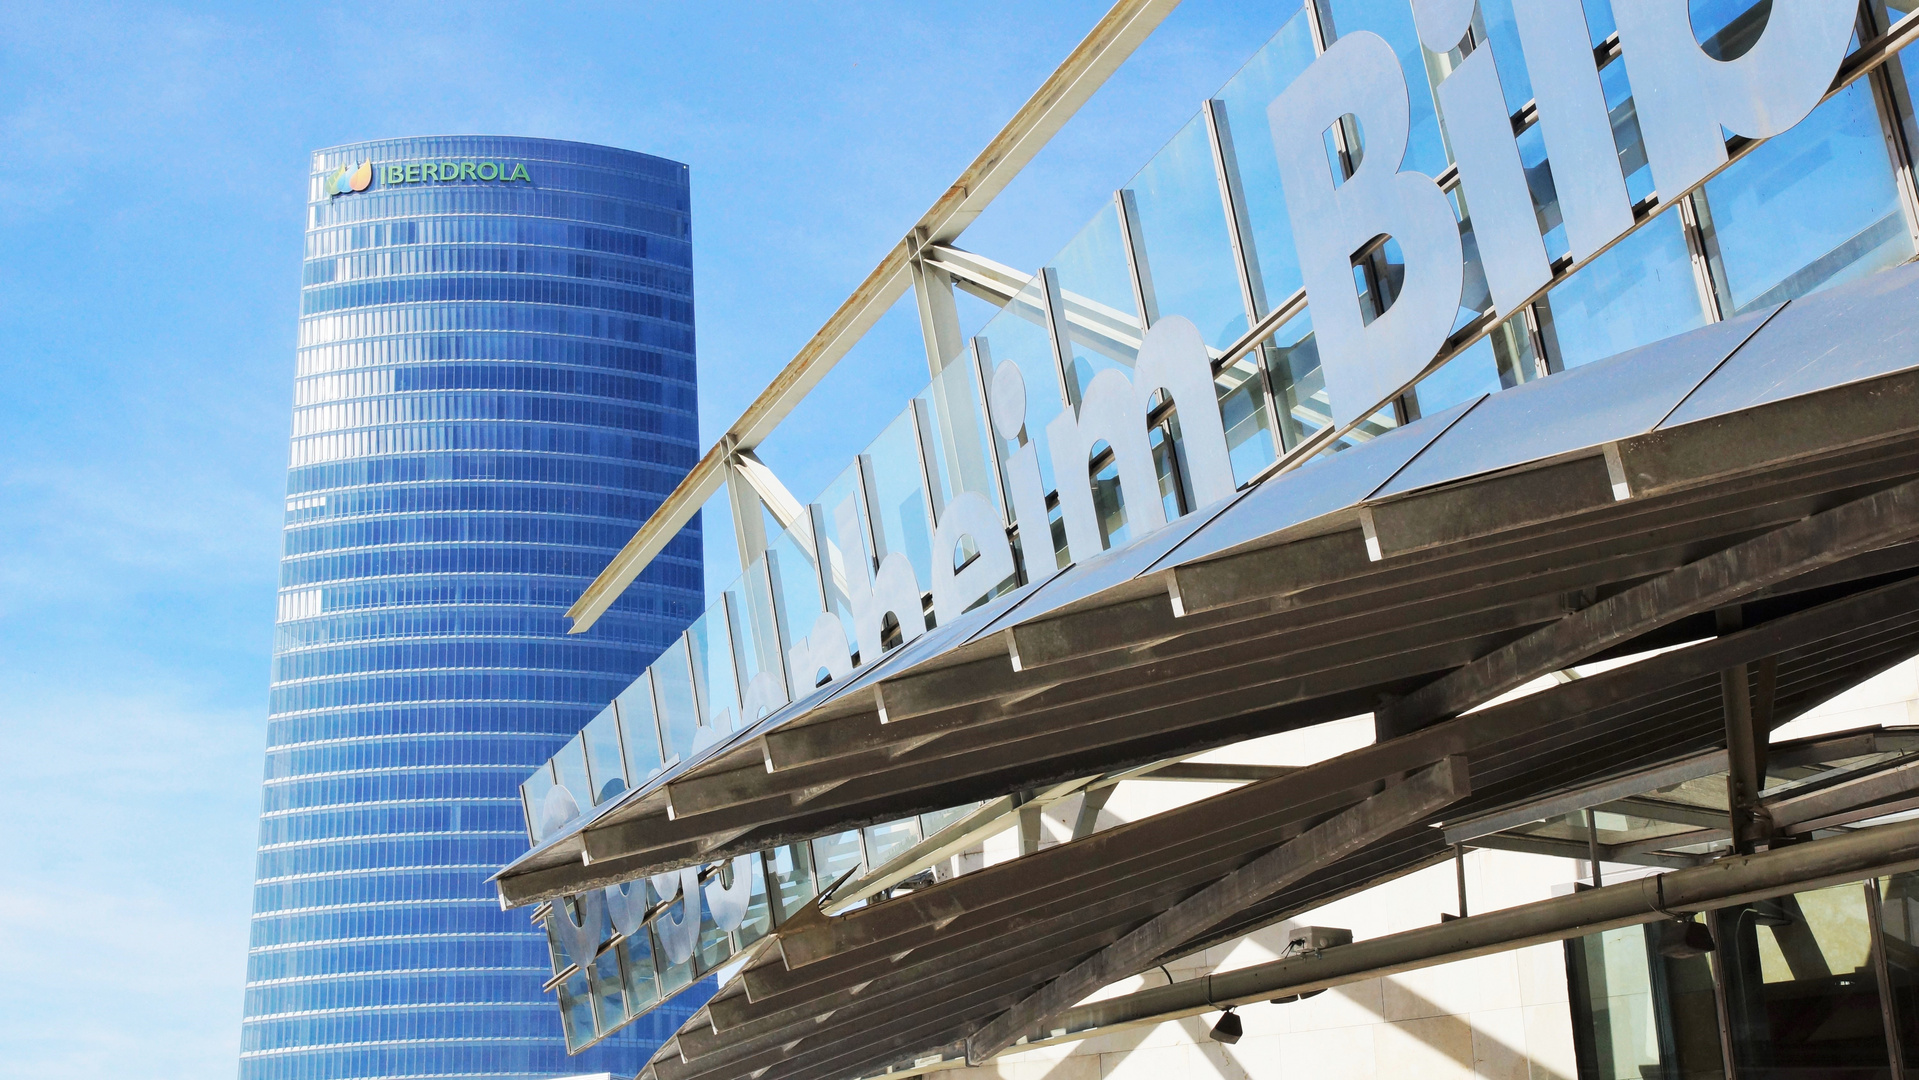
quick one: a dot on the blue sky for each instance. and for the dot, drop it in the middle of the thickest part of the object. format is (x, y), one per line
(157, 159)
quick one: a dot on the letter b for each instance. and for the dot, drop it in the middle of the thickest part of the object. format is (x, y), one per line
(1364, 364)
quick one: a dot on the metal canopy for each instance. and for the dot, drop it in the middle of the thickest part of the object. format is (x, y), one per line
(922, 974)
(1633, 505)
(1324, 591)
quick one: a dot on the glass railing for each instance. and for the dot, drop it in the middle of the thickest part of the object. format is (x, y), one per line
(1200, 233)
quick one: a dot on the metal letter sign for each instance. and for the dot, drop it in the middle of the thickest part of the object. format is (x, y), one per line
(1365, 364)
(1685, 96)
(1505, 225)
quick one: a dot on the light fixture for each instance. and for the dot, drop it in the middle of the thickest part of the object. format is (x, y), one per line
(1229, 1028)
(1683, 939)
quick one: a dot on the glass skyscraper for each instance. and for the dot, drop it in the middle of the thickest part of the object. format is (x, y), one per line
(495, 387)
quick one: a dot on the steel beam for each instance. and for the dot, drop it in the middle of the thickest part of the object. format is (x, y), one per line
(1397, 807)
(1084, 70)
(1825, 538)
(1874, 852)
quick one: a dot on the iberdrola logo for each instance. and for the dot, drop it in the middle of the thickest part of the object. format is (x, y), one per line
(349, 178)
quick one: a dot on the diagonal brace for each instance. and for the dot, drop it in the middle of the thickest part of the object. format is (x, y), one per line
(1399, 806)
(1822, 539)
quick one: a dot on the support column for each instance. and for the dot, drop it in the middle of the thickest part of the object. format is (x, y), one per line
(1746, 744)
(939, 316)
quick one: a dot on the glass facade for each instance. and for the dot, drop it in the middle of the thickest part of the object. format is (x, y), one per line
(495, 387)
(1202, 233)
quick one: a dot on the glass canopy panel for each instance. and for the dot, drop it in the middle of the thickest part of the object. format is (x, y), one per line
(834, 855)
(642, 984)
(1899, 938)
(1017, 336)
(569, 767)
(1637, 1013)
(757, 640)
(1464, 377)
(1299, 386)
(844, 503)
(1393, 20)
(902, 521)
(1802, 995)
(1096, 287)
(759, 915)
(604, 762)
(672, 977)
(609, 992)
(960, 456)
(792, 874)
(641, 731)
(533, 798)
(1246, 97)
(713, 668)
(940, 819)
(673, 685)
(1637, 293)
(782, 601)
(1185, 251)
(887, 839)
(1811, 208)
(1242, 410)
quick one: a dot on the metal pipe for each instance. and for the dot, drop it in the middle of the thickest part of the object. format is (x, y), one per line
(1873, 852)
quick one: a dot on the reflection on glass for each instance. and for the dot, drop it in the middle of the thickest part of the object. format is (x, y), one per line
(902, 521)
(1017, 336)
(1096, 289)
(1811, 208)
(761, 637)
(635, 705)
(1637, 293)
(1184, 248)
(533, 797)
(673, 977)
(793, 878)
(673, 685)
(1513, 352)
(959, 433)
(1464, 377)
(1393, 20)
(780, 607)
(833, 856)
(716, 945)
(1726, 29)
(1475, 296)
(1617, 86)
(1637, 1013)
(609, 991)
(569, 766)
(1802, 998)
(844, 502)
(1265, 77)
(1242, 409)
(1292, 362)
(718, 682)
(885, 840)
(642, 986)
(759, 916)
(940, 819)
(1899, 939)
(576, 1011)
(603, 762)
(1539, 181)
